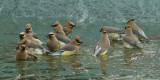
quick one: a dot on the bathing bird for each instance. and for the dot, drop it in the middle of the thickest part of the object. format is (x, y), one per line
(29, 31)
(68, 28)
(59, 33)
(52, 43)
(103, 44)
(31, 35)
(34, 47)
(114, 33)
(130, 40)
(70, 48)
(22, 53)
(137, 30)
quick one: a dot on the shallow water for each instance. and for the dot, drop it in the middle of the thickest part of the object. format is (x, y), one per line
(89, 16)
(119, 63)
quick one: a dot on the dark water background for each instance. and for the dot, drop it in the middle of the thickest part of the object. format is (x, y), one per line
(89, 16)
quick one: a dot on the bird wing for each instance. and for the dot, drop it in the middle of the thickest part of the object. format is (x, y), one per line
(140, 33)
(63, 39)
(68, 47)
(65, 30)
(30, 54)
(35, 35)
(132, 41)
(143, 35)
(115, 30)
(98, 50)
(35, 45)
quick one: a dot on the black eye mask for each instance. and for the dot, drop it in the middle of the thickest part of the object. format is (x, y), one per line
(54, 25)
(50, 35)
(27, 29)
(21, 36)
(23, 47)
(72, 25)
(78, 41)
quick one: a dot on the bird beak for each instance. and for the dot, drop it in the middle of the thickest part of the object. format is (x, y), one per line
(80, 43)
(74, 26)
(101, 30)
(52, 25)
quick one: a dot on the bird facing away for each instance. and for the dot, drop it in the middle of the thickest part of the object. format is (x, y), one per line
(52, 43)
(29, 31)
(22, 53)
(130, 40)
(59, 33)
(68, 28)
(136, 29)
(114, 33)
(103, 44)
(70, 48)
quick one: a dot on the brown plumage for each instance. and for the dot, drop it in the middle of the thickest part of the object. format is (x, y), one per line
(114, 33)
(103, 44)
(22, 53)
(59, 33)
(31, 35)
(70, 48)
(113, 30)
(68, 28)
(130, 40)
(29, 31)
(52, 43)
(136, 29)
(30, 45)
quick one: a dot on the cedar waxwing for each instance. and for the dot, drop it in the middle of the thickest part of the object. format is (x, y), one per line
(60, 35)
(70, 48)
(114, 33)
(136, 29)
(31, 35)
(103, 44)
(22, 53)
(67, 28)
(52, 43)
(29, 31)
(34, 47)
(130, 40)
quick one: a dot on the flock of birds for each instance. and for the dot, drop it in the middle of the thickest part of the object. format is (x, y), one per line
(58, 42)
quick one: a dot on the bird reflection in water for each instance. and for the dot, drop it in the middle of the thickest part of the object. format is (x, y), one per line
(130, 55)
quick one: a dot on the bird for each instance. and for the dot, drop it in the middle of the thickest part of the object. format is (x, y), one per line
(31, 35)
(130, 40)
(115, 34)
(23, 54)
(34, 47)
(137, 30)
(68, 28)
(52, 43)
(70, 48)
(59, 33)
(29, 31)
(103, 44)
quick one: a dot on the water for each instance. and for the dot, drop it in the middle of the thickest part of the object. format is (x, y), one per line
(89, 17)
